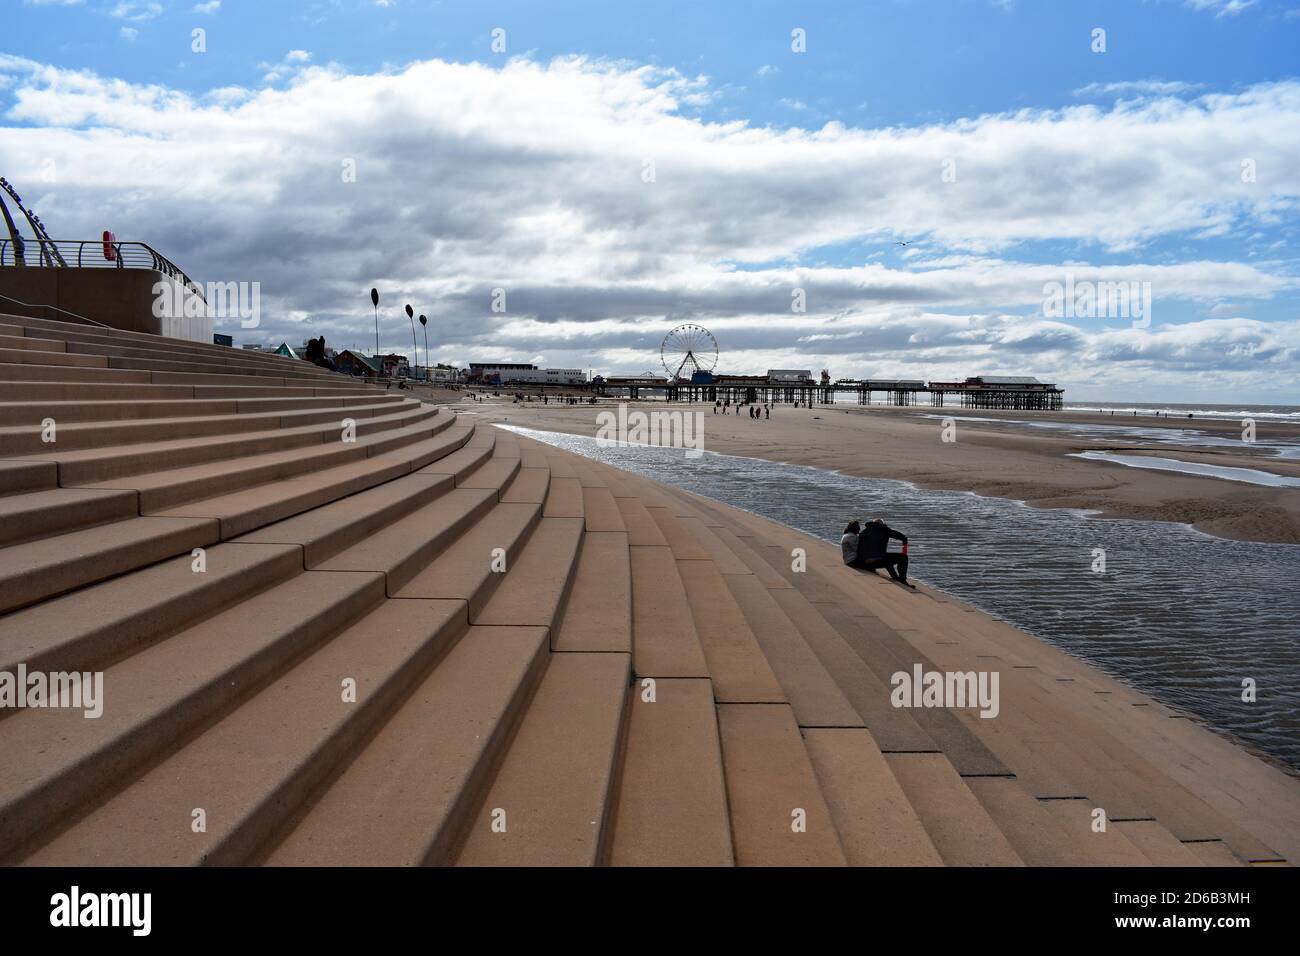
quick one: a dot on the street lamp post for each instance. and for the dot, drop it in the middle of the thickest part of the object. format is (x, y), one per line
(410, 314)
(374, 300)
(424, 324)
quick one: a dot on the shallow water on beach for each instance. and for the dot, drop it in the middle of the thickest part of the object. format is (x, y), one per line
(1179, 614)
(1251, 476)
(1191, 438)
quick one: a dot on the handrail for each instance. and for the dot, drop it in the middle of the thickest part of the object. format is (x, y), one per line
(41, 305)
(127, 255)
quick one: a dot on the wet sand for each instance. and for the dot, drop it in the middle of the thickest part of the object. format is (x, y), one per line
(989, 458)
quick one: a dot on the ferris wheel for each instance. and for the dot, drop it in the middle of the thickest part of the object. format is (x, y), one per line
(686, 350)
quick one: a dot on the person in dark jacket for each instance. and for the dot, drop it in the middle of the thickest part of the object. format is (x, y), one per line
(873, 550)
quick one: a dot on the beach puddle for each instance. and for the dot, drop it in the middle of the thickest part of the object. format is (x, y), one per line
(1184, 616)
(1252, 476)
(1184, 437)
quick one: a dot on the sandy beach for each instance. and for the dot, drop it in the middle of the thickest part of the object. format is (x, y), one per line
(991, 457)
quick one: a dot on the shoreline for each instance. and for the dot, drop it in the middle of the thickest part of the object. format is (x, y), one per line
(991, 458)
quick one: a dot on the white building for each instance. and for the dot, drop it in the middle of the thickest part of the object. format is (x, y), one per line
(788, 376)
(543, 376)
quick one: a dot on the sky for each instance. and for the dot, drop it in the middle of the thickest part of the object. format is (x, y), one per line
(886, 189)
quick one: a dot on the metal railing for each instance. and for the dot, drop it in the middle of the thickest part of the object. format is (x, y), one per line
(41, 305)
(89, 254)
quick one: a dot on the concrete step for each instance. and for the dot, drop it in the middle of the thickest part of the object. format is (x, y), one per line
(1076, 817)
(564, 498)
(317, 728)
(270, 388)
(404, 549)
(95, 626)
(1214, 853)
(61, 761)
(537, 582)
(672, 797)
(495, 474)
(1157, 844)
(17, 440)
(664, 639)
(80, 332)
(324, 531)
(33, 412)
(597, 615)
(468, 569)
(9, 341)
(243, 511)
(778, 814)
(463, 463)
(100, 395)
(39, 514)
(99, 465)
(873, 818)
(162, 356)
(11, 356)
(36, 570)
(811, 690)
(1030, 827)
(959, 826)
(406, 799)
(552, 799)
(252, 508)
(528, 484)
(737, 666)
(12, 372)
(165, 488)
(21, 477)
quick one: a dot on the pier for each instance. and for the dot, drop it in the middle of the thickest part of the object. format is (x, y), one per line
(977, 392)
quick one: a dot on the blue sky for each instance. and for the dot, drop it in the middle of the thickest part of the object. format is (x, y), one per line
(762, 157)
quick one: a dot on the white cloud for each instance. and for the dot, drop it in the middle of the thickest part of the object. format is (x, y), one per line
(212, 6)
(128, 33)
(1222, 8)
(137, 9)
(528, 177)
(1139, 88)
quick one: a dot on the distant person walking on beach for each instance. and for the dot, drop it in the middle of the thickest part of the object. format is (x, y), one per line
(873, 550)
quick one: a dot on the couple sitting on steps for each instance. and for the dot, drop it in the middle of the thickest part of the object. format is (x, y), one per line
(868, 548)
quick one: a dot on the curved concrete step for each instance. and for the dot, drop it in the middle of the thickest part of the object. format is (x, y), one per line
(39, 514)
(59, 761)
(97, 625)
(317, 727)
(551, 802)
(406, 798)
(36, 570)
(672, 795)
(778, 814)
(472, 567)
(100, 465)
(73, 435)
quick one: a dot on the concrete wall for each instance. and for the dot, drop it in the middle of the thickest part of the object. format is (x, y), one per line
(120, 298)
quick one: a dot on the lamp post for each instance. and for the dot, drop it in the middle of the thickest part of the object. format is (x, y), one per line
(374, 300)
(410, 314)
(424, 324)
